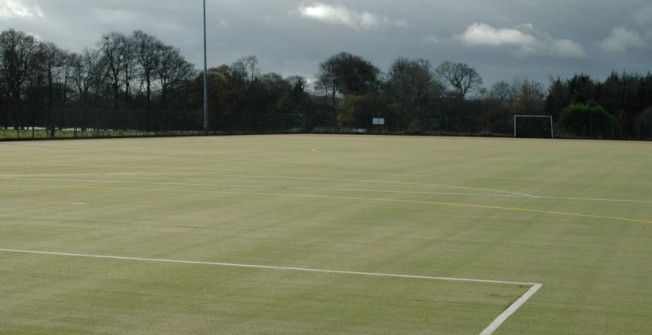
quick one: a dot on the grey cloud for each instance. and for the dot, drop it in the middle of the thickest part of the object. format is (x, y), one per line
(643, 17)
(556, 34)
(622, 39)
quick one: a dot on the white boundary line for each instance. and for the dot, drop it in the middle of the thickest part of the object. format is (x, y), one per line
(492, 192)
(511, 310)
(534, 287)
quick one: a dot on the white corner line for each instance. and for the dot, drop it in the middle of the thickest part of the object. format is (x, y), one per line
(511, 310)
(534, 287)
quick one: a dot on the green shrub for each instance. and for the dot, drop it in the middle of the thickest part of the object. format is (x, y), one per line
(587, 120)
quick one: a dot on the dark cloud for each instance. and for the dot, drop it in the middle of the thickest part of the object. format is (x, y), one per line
(502, 39)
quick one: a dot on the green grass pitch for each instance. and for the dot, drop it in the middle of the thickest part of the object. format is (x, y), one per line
(311, 234)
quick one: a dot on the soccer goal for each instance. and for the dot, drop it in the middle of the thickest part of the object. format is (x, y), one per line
(533, 126)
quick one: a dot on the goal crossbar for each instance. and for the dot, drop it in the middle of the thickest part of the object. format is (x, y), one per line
(552, 129)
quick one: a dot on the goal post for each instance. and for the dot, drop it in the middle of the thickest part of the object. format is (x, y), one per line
(542, 118)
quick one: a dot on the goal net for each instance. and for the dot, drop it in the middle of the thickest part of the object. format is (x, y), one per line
(533, 126)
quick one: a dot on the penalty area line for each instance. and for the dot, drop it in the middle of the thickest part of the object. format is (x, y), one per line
(489, 330)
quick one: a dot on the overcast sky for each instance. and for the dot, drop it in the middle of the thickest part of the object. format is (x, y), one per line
(501, 39)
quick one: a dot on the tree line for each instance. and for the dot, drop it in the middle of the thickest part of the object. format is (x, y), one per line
(137, 82)
(416, 97)
(127, 81)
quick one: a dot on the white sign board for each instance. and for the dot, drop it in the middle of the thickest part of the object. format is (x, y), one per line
(378, 121)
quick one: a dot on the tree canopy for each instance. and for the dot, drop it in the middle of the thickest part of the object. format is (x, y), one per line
(137, 82)
(587, 120)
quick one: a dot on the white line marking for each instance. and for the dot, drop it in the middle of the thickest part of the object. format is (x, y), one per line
(597, 200)
(392, 183)
(491, 191)
(534, 287)
(494, 194)
(266, 267)
(511, 310)
(409, 192)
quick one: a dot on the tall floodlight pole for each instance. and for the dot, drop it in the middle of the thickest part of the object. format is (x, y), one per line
(205, 76)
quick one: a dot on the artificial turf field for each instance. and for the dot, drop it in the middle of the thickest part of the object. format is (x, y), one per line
(312, 234)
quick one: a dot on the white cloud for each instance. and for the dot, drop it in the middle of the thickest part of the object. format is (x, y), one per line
(484, 34)
(525, 38)
(622, 39)
(10, 9)
(341, 15)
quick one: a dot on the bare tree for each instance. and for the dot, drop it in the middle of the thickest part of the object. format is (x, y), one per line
(522, 96)
(462, 78)
(172, 71)
(529, 97)
(148, 52)
(298, 84)
(3, 98)
(86, 74)
(54, 63)
(64, 85)
(17, 57)
(80, 79)
(117, 60)
(327, 80)
(247, 68)
(413, 86)
(502, 93)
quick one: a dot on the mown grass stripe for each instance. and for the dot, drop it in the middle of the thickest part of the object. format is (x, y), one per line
(342, 197)
(489, 330)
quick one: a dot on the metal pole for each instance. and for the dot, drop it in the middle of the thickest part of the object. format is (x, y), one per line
(205, 76)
